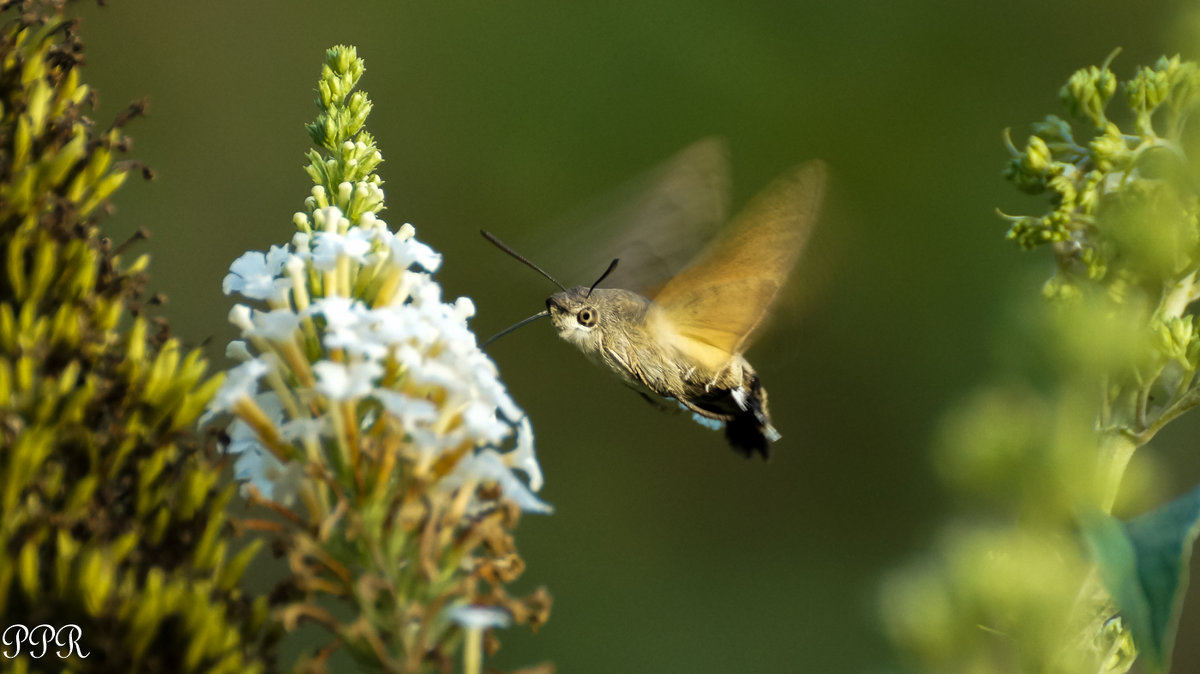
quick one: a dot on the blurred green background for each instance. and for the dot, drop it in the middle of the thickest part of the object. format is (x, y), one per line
(668, 553)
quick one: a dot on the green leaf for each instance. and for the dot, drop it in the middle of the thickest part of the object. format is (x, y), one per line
(1116, 561)
(1144, 565)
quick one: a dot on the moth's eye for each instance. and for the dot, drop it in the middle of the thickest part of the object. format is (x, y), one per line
(586, 317)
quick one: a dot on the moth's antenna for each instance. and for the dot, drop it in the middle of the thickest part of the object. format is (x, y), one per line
(603, 276)
(505, 331)
(504, 247)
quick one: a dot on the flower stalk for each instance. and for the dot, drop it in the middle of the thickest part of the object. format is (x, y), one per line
(366, 414)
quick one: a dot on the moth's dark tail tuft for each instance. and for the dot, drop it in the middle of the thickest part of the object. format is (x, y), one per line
(749, 431)
(747, 436)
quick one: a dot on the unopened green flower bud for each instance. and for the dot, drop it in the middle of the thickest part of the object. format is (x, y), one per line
(1090, 192)
(1146, 90)
(1061, 289)
(1087, 92)
(1109, 149)
(1037, 156)
(1064, 186)
(1114, 643)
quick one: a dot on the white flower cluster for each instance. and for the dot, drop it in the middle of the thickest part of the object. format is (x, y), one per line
(403, 362)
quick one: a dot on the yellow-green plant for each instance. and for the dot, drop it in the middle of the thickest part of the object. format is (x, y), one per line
(112, 517)
(372, 425)
(1038, 575)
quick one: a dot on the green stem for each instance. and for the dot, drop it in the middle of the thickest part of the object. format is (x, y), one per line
(1115, 452)
(1117, 448)
(1183, 403)
(473, 651)
(1178, 296)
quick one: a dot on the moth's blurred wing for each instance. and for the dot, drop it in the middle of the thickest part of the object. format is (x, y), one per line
(654, 223)
(716, 303)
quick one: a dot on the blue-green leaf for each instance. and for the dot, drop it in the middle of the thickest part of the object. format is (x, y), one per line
(1144, 565)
